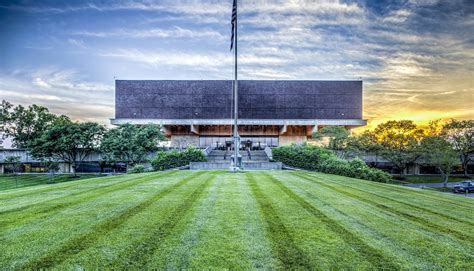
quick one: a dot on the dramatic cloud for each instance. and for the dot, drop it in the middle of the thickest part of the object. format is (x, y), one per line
(416, 57)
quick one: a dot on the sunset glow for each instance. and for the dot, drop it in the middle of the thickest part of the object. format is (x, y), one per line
(416, 58)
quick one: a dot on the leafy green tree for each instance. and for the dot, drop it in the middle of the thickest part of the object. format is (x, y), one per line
(130, 143)
(399, 141)
(68, 141)
(338, 137)
(13, 164)
(438, 152)
(365, 143)
(460, 133)
(25, 124)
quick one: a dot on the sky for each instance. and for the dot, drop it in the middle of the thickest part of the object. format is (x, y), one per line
(415, 57)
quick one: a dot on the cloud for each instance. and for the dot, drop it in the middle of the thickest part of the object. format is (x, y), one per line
(414, 56)
(174, 33)
(77, 43)
(62, 91)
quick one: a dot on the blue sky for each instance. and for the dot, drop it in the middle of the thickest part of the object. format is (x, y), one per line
(416, 57)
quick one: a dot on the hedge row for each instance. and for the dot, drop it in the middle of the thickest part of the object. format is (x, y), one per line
(315, 158)
(172, 159)
(355, 168)
(301, 156)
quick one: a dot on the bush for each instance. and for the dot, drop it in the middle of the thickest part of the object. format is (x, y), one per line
(137, 169)
(319, 159)
(301, 156)
(355, 168)
(172, 159)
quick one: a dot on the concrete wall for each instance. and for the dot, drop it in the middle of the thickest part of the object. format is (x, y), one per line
(226, 166)
(183, 141)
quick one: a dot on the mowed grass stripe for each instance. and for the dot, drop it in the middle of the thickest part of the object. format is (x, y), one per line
(463, 202)
(48, 192)
(374, 256)
(223, 230)
(391, 191)
(281, 241)
(8, 183)
(35, 190)
(143, 251)
(9, 218)
(83, 241)
(417, 219)
(113, 185)
(412, 246)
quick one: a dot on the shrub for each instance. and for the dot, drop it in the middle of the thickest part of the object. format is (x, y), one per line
(172, 159)
(355, 168)
(137, 169)
(315, 158)
(301, 156)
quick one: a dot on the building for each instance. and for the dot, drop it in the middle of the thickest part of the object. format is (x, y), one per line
(271, 113)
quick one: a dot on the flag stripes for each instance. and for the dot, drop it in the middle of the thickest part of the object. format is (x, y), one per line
(233, 22)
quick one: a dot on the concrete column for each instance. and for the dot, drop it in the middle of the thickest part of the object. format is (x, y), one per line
(195, 129)
(165, 131)
(2, 169)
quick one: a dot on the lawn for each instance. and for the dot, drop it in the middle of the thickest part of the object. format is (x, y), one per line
(23, 180)
(212, 219)
(432, 179)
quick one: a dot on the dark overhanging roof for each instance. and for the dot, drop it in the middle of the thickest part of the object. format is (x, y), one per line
(258, 99)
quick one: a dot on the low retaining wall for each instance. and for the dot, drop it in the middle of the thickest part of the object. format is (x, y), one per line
(249, 166)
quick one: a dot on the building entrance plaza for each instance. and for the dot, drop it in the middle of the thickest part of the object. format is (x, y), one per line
(271, 113)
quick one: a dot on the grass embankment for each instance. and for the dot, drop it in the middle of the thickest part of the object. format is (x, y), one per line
(24, 180)
(211, 219)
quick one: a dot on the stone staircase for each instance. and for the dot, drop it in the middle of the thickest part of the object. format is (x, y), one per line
(216, 159)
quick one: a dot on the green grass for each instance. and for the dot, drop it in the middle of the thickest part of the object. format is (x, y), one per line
(431, 179)
(220, 220)
(23, 180)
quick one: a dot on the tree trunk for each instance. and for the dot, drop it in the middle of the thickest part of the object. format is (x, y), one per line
(445, 180)
(465, 161)
(402, 173)
(73, 166)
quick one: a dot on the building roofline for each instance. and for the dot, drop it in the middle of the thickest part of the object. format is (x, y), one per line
(266, 80)
(295, 122)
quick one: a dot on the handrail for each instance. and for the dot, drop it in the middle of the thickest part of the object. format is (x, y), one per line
(207, 151)
(268, 152)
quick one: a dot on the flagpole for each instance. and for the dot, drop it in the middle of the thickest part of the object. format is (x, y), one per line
(236, 111)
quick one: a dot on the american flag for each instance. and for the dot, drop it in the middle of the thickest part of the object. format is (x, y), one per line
(233, 22)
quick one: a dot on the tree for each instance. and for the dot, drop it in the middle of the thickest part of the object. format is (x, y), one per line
(338, 137)
(13, 163)
(399, 141)
(460, 133)
(365, 143)
(130, 143)
(25, 124)
(68, 141)
(438, 152)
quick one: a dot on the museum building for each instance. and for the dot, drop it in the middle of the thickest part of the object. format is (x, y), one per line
(270, 112)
